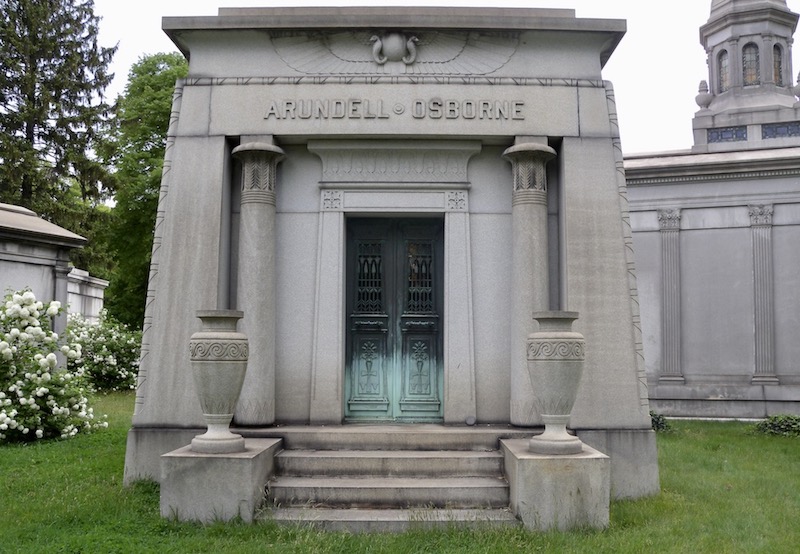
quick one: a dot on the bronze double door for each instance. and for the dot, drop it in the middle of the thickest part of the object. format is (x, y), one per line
(394, 325)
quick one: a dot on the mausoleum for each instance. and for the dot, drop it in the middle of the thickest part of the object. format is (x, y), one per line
(389, 194)
(716, 229)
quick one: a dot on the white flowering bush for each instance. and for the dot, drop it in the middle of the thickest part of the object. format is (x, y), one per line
(110, 351)
(38, 398)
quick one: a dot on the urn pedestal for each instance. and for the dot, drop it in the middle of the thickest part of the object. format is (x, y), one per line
(219, 362)
(555, 365)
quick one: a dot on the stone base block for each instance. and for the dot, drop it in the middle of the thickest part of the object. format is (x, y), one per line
(558, 492)
(216, 487)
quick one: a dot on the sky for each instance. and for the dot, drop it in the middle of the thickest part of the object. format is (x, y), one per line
(656, 69)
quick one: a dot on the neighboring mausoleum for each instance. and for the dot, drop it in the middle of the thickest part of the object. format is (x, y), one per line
(717, 229)
(34, 254)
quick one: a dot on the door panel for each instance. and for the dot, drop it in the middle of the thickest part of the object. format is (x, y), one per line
(394, 302)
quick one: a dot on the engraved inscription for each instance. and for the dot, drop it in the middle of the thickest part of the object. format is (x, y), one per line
(372, 108)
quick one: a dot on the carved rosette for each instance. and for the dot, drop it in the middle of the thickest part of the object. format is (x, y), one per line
(259, 169)
(528, 164)
(218, 353)
(555, 364)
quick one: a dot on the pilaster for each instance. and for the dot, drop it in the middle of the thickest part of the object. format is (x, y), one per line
(763, 294)
(256, 293)
(529, 273)
(669, 222)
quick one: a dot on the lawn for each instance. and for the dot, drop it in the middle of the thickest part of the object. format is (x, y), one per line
(724, 489)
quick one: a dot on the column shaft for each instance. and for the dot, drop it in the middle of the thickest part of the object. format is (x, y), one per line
(256, 280)
(671, 368)
(764, 293)
(529, 267)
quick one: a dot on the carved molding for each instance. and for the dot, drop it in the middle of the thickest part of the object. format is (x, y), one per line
(393, 162)
(216, 350)
(387, 52)
(560, 349)
(760, 214)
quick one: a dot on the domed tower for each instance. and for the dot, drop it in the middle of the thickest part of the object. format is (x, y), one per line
(748, 101)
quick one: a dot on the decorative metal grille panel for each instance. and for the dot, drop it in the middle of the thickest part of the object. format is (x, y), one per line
(419, 299)
(369, 278)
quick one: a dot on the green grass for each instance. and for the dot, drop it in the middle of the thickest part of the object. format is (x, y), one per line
(724, 489)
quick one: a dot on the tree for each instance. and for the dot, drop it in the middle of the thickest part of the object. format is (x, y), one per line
(52, 113)
(140, 138)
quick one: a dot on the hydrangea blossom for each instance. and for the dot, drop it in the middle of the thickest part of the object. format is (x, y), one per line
(39, 399)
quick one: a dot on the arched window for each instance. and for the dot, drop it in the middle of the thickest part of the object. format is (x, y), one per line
(777, 65)
(750, 62)
(723, 72)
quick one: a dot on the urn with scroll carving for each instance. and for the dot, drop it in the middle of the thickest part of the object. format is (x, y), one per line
(219, 362)
(555, 366)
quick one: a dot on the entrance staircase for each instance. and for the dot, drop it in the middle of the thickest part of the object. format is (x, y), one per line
(387, 478)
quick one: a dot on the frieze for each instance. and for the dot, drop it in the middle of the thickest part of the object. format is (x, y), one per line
(218, 351)
(395, 162)
(396, 51)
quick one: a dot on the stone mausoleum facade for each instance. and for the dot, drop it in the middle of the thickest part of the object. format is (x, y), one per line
(717, 228)
(388, 195)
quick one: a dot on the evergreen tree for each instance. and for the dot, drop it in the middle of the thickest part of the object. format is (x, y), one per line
(140, 138)
(52, 112)
(53, 118)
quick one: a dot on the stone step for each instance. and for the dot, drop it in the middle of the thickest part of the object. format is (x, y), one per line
(388, 437)
(389, 492)
(390, 463)
(357, 520)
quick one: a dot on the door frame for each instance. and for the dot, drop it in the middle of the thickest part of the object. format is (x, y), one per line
(409, 192)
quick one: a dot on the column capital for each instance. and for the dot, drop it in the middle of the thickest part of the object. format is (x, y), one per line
(259, 161)
(528, 161)
(669, 220)
(760, 214)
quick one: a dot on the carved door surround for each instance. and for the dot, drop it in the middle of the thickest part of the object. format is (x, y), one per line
(404, 179)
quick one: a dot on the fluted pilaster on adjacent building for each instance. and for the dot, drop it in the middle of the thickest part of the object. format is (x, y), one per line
(529, 277)
(669, 222)
(764, 293)
(256, 295)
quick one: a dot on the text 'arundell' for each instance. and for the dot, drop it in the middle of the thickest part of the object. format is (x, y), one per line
(378, 109)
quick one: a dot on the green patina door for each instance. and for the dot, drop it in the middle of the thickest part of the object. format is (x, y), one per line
(394, 306)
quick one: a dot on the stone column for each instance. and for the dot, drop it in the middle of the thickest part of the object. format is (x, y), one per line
(764, 294)
(256, 279)
(529, 268)
(669, 221)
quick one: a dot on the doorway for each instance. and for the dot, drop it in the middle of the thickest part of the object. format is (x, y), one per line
(394, 299)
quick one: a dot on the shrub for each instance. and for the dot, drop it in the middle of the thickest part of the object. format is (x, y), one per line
(39, 399)
(782, 425)
(660, 423)
(110, 351)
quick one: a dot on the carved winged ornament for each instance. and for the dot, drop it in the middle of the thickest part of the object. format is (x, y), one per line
(381, 52)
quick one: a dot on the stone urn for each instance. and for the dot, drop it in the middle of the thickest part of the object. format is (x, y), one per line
(555, 365)
(219, 362)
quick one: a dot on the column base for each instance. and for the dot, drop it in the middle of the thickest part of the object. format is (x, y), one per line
(216, 487)
(558, 492)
